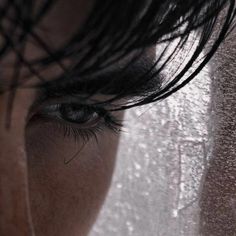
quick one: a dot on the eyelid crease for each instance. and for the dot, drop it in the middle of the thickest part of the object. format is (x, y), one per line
(97, 101)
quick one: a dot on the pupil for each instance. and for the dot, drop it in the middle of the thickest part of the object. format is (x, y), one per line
(76, 114)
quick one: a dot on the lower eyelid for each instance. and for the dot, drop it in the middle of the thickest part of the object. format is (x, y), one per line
(70, 130)
(84, 132)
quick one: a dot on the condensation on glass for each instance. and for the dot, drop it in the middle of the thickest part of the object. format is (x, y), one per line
(176, 167)
(162, 156)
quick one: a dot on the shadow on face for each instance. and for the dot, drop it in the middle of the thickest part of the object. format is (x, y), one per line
(57, 158)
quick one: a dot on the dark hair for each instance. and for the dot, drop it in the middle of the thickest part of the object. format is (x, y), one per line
(116, 30)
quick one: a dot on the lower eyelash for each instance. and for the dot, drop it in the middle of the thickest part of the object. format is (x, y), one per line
(80, 134)
(109, 122)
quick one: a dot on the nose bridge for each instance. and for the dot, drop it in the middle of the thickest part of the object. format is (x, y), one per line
(14, 200)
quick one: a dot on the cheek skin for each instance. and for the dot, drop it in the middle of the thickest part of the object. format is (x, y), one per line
(15, 217)
(66, 198)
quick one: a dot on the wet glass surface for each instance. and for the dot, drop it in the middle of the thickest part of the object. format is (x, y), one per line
(176, 169)
(163, 153)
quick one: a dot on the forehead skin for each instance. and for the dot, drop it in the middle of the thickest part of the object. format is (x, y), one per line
(55, 28)
(63, 20)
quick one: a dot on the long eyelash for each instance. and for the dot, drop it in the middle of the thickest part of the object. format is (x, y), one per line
(109, 122)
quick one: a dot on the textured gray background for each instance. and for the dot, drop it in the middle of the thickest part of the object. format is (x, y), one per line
(161, 159)
(176, 169)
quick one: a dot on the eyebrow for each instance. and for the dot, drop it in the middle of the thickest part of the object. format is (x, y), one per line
(136, 80)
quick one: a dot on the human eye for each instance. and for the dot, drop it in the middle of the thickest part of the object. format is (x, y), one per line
(79, 121)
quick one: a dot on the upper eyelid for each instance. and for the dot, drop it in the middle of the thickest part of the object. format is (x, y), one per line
(98, 101)
(110, 120)
(83, 106)
(102, 112)
(44, 101)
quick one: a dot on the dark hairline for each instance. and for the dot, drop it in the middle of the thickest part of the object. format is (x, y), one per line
(121, 28)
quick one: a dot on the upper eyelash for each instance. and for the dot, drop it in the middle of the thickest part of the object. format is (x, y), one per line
(108, 121)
